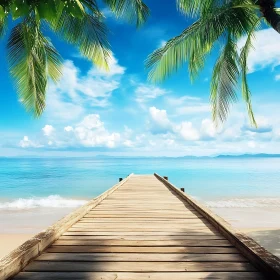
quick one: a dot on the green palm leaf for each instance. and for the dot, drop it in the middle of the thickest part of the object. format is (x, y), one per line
(3, 26)
(196, 42)
(246, 94)
(32, 59)
(132, 10)
(88, 34)
(224, 81)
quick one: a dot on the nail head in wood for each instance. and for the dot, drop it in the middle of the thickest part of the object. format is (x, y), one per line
(120, 179)
(182, 189)
(165, 177)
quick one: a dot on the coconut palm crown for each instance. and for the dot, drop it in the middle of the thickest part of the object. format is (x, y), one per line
(218, 24)
(33, 59)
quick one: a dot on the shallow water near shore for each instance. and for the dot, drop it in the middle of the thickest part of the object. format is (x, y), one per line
(34, 193)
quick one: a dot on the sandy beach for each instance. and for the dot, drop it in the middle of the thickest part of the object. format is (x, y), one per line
(9, 242)
(19, 226)
(261, 224)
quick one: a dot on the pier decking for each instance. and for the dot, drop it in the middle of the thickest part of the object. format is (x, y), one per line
(147, 229)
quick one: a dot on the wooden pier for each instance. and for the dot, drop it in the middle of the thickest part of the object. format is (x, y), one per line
(143, 228)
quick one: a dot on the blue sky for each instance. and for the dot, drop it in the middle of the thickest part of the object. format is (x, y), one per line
(91, 112)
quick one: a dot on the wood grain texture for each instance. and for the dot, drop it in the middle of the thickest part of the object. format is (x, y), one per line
(139, 276)
(142, 230)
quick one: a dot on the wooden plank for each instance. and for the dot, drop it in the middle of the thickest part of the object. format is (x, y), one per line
(133, 257)
(130, 249)
(139, 276)
(146, 233)
(164, 243)
(142, 237)
(138, 266)
(154, 225)
(120, 219)
(181, 231)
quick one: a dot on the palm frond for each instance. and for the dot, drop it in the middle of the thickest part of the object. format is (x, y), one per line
(31, 59)
(224, 81)
(196, 8)
(246, 94)
(88, 34)
(196, 42)
(3, 26)
(54, 61)
(132, 10)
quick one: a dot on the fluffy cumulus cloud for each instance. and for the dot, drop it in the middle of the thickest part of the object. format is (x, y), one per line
(208, 129)
(76, 93)
(25, 142)
(160, 124)
(90, 132)
(159, 121)
(266, 51)
(187, 131)
(48, 130)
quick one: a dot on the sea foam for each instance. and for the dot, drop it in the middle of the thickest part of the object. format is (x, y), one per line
(244, 203)
(52, 201)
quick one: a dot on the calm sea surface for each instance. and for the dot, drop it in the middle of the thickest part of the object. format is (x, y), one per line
(38, 182)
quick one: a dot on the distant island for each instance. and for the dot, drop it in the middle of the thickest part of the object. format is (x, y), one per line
(261, 155)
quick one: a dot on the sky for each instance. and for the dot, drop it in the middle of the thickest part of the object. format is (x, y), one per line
(92, 112)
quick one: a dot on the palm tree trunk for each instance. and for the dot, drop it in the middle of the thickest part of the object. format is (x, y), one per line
(267, 9)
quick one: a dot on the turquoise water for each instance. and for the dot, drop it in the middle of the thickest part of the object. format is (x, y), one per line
(84, 178)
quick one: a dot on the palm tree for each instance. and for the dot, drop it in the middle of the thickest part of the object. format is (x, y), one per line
(32, 58)
(219, 26)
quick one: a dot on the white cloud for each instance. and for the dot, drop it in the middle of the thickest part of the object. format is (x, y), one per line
(208, 129)
(145, 93)
(90, 132)
(252, 144)
(160, 122)
(68, 128)
(48, 130)
(128, 143)
(187, 131)
(194, 109)
(27, 143)
(263, 126)
(76, 94)
(188, 105)
(266, 51)
(176, 101)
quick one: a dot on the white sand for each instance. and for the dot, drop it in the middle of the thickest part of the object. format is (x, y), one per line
(9, 242)
(262, 224)
(18, 226)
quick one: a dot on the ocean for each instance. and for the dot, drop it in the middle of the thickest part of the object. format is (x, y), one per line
(68, 182)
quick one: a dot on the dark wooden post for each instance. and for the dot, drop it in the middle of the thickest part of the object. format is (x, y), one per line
(165, 177)
(120, 179)
(182, 189)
